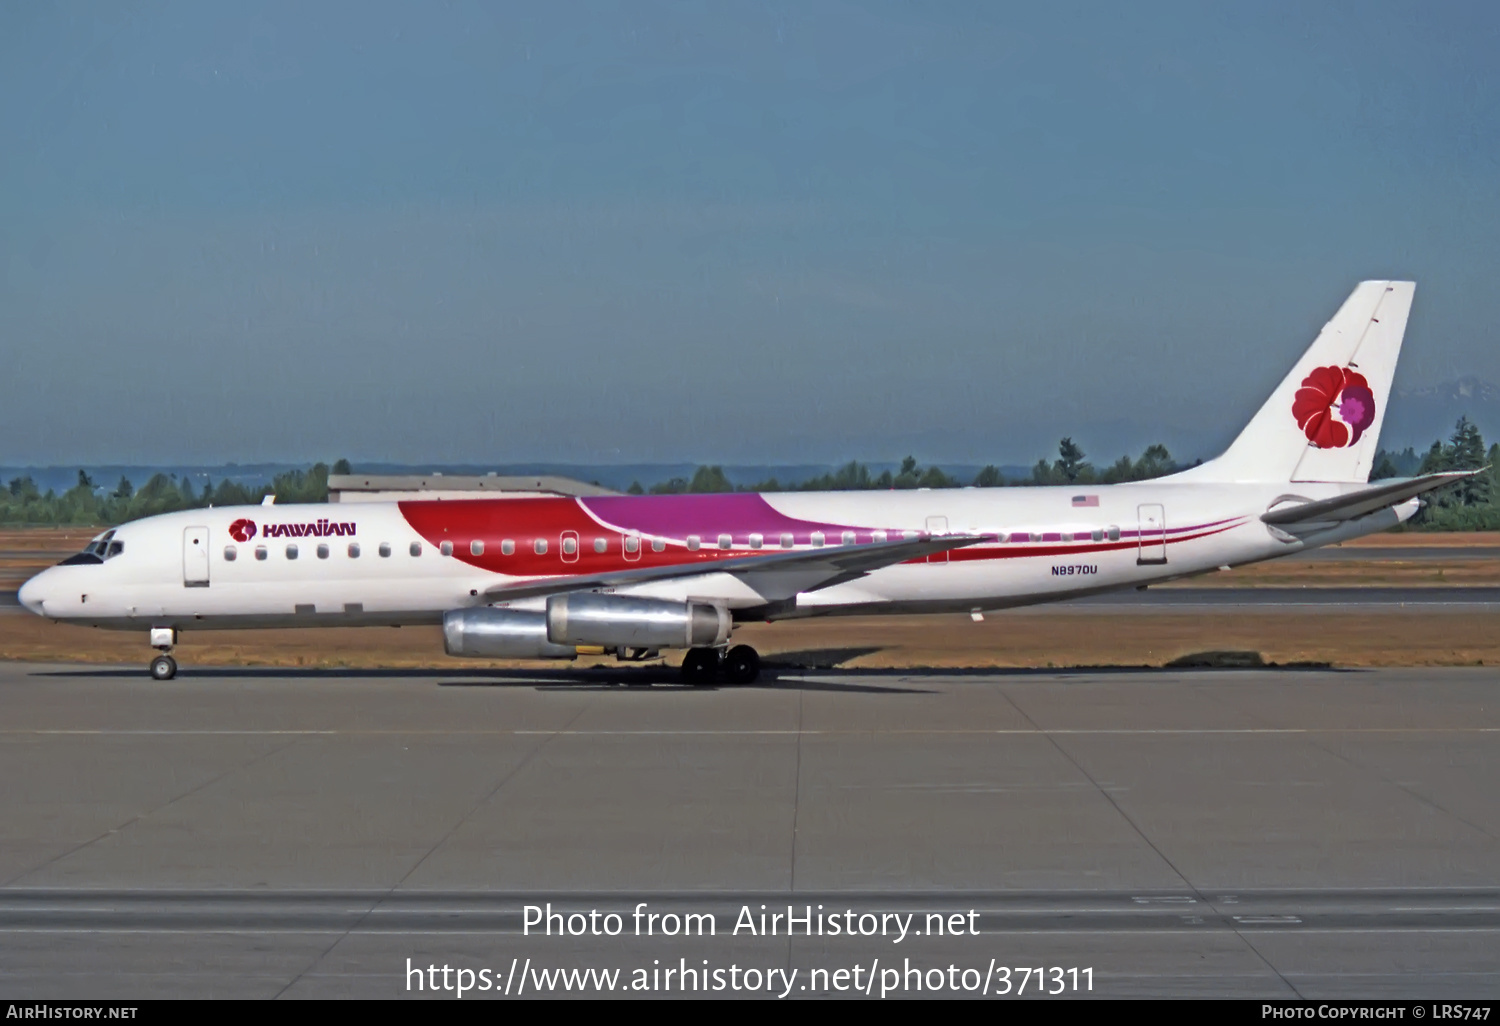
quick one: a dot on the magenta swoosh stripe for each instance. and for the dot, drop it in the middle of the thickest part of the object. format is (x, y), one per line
(737, 514)
(740, 514)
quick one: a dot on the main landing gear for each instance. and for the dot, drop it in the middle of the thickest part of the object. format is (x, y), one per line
(163, 667)
(704, 666)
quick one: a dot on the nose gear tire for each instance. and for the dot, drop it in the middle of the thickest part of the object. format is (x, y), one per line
(163, 667)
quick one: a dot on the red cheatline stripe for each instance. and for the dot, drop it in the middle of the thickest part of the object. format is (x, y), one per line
(1027, 551)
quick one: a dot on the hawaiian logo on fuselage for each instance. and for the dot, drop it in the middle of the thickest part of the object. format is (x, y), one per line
(242, 530)
(312, 529)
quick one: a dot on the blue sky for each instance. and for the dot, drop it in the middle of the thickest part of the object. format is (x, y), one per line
(722, 232)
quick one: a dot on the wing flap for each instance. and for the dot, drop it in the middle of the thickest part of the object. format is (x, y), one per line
(812, 568)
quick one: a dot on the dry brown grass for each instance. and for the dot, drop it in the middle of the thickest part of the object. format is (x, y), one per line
(1375, 572)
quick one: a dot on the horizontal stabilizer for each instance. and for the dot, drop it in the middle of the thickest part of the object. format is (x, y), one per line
(1367, 500)
(813, 566)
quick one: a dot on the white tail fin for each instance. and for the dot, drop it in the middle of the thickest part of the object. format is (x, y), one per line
(1323, 421)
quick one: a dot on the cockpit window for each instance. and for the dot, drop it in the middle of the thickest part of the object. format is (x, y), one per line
(97, 551)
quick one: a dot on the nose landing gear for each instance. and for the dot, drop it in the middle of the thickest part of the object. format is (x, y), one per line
(163, 667)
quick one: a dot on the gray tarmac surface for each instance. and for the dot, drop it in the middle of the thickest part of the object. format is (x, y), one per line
(1398, 554)
(270, 832)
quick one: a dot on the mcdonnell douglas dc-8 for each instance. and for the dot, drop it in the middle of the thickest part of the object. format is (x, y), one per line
(552, 576)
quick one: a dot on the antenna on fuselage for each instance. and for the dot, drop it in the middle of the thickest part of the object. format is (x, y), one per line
(269, 500)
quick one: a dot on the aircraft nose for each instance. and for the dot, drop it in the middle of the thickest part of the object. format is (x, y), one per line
(30, 594)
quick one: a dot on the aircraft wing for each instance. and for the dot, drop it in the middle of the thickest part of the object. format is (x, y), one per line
(814, 568)
(1367, 500)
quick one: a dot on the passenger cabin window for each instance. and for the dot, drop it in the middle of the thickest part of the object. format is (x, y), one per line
(385, 549)
(230, 553)
(725, 541)
(877, 536)
(1098, 535)
(632, 543)
(446, 548)
(540, 547)
(787, 541)
(261, 553)
(600, 545)
(756, 541)
(476, 548)
(657, 545)
(507, 547)
(849, 538)
(1114, 533)
(322, 551)
(354, 550)
(694, 542)
(291, 551)
(817, 539)
(416, 548)
(570, 546)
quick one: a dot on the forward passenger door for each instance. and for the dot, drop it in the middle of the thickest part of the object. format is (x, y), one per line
(195, 557)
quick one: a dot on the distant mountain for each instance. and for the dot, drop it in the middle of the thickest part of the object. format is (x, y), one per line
(1419, 415)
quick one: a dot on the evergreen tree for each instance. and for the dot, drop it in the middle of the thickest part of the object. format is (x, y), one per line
(1468, 453)
(709, 479)
(1069, 459)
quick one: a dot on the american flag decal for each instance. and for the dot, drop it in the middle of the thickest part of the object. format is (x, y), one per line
(1085, 500)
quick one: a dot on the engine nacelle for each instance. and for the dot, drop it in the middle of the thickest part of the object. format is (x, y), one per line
(589, 618)
(500, 634)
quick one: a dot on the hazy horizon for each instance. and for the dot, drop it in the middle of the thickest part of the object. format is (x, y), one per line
(745, 233)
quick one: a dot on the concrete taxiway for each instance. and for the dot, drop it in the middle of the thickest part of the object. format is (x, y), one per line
(270, 832)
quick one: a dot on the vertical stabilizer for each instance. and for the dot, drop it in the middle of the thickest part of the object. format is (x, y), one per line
(1323, 421)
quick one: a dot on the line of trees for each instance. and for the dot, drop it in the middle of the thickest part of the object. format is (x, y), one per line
(21, 502)
(1071, 467)
(1470, 505)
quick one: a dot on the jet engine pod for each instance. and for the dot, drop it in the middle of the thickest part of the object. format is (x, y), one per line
(589, 618)
(500, 634)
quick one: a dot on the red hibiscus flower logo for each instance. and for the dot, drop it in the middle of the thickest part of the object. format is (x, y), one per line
(242, 530)
(1334, 406)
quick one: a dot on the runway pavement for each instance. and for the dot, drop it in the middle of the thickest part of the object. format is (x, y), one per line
(274, 832)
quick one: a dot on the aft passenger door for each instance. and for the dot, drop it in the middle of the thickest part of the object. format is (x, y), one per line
(1152, 519)
(195, 557)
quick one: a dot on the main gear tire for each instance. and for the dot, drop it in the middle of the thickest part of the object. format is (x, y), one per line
(700, 667)
(741, 665)
(163, 667)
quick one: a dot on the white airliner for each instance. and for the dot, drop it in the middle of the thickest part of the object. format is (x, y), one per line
(550, 577)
